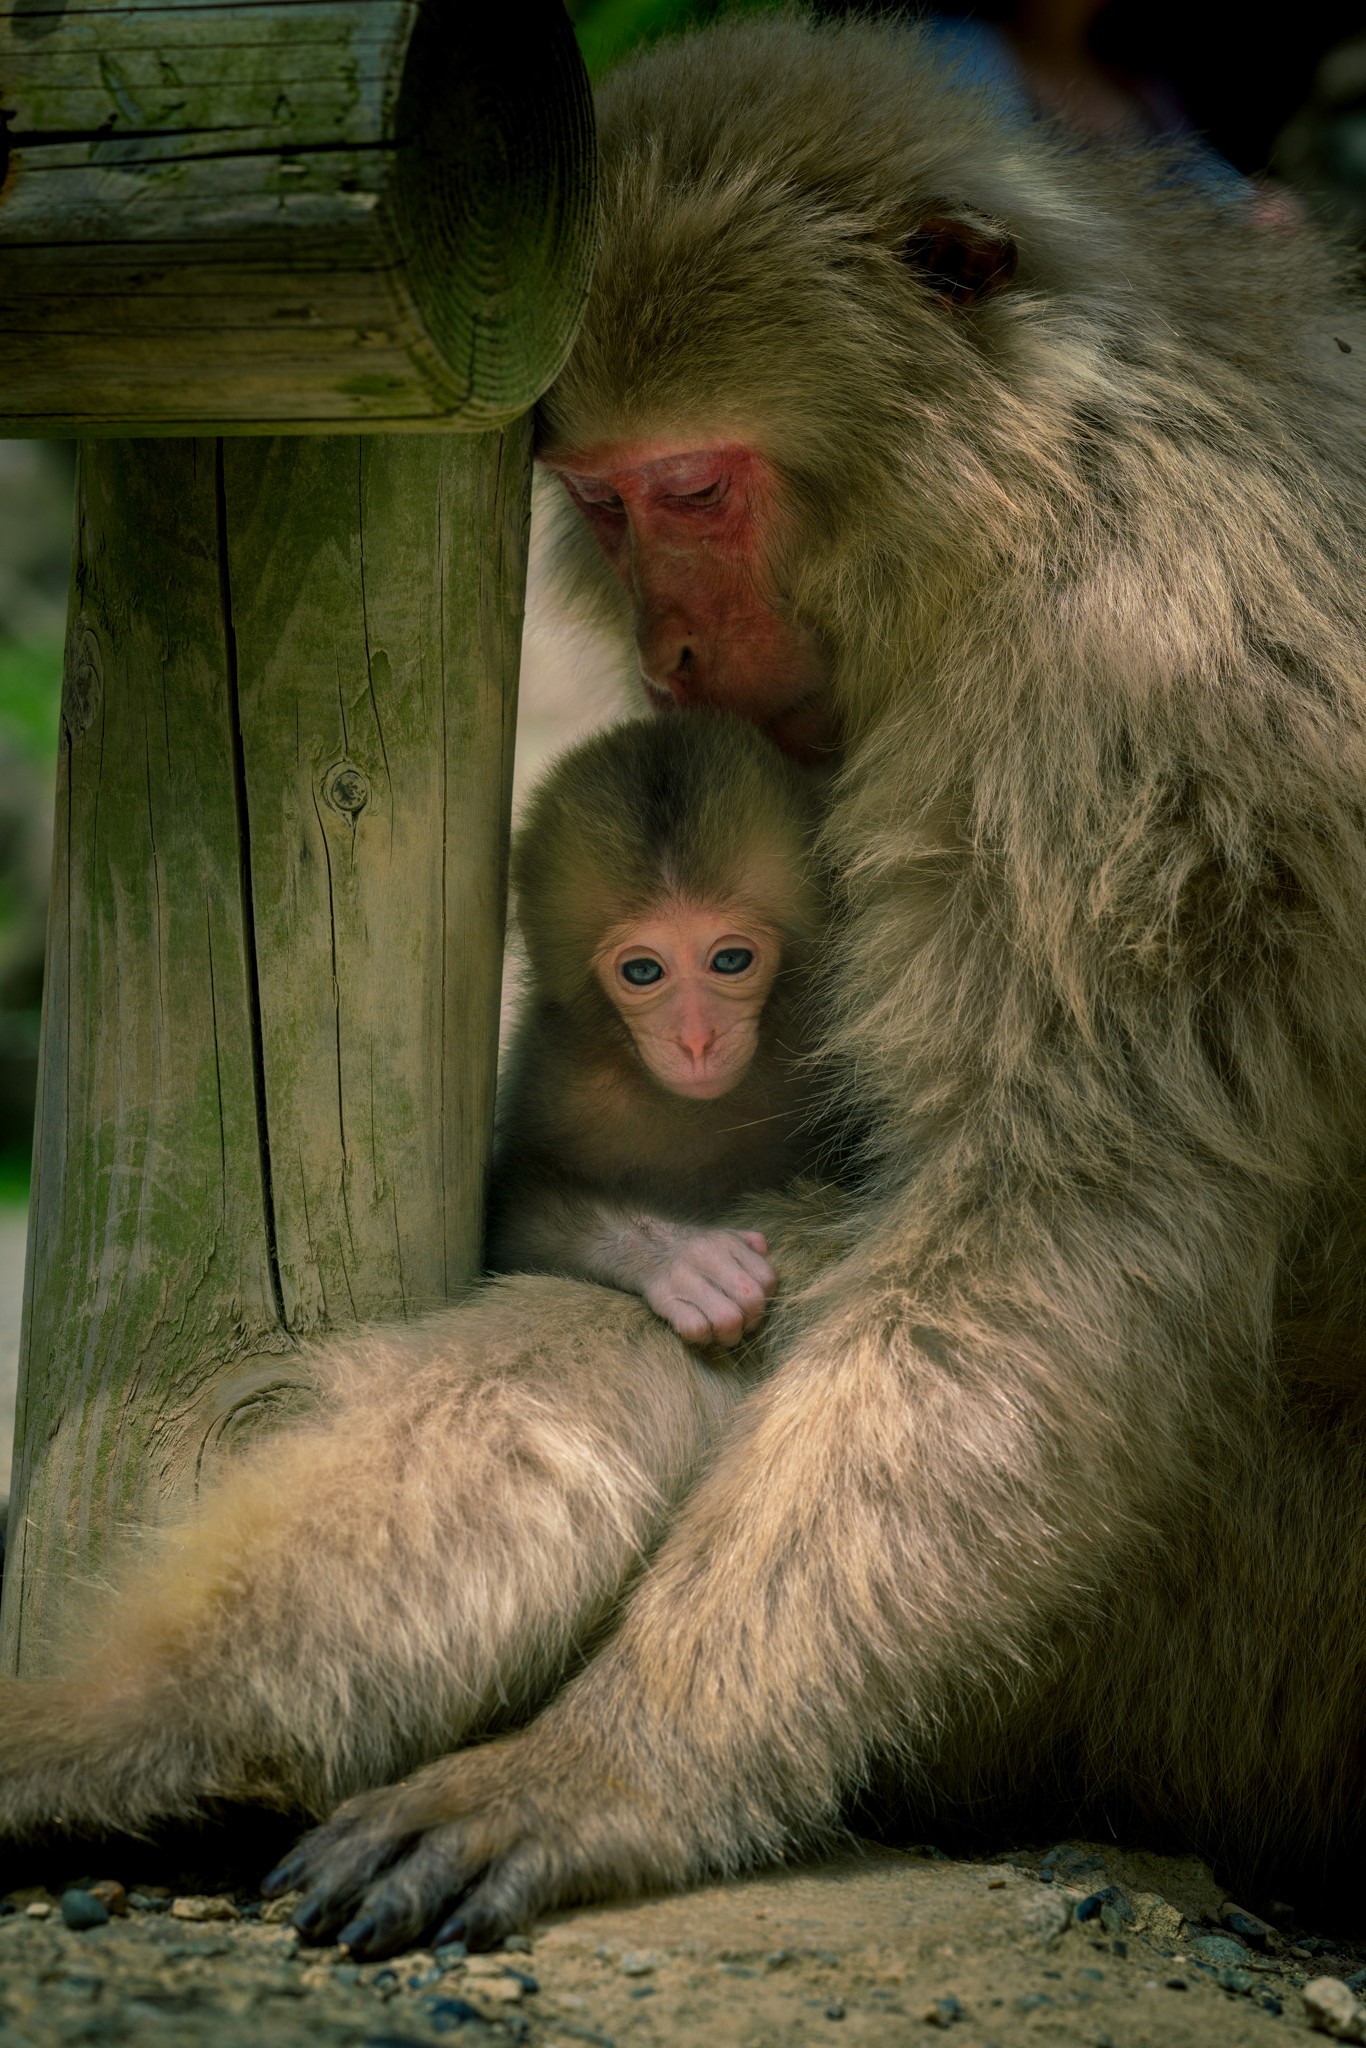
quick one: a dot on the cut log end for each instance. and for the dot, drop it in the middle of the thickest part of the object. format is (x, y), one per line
(287, 215)
(492, 203)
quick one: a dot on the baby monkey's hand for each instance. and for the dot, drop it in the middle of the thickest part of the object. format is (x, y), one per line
(712, 1286)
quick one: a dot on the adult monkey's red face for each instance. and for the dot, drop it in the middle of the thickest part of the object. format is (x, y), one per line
(688, 532)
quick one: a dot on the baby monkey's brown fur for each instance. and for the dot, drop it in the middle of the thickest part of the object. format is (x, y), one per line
(605, 1168)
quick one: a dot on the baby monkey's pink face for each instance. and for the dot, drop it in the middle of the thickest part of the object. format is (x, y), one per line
(690, 984)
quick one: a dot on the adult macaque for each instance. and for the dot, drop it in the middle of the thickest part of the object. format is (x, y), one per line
(1034, 476)
(668, 894)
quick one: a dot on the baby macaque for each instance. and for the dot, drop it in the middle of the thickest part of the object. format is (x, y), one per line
(668, 892)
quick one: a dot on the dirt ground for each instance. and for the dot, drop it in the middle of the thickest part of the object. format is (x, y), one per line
(1081, 1946)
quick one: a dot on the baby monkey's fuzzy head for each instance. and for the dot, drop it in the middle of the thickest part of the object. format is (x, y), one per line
(668, 867)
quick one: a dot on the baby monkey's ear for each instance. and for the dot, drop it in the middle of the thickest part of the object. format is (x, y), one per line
(961, 256)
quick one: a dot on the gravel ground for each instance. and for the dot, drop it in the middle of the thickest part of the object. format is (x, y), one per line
(1084, 1946)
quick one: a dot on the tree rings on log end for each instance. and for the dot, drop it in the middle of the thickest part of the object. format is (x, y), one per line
(492, 200)
(303, 216)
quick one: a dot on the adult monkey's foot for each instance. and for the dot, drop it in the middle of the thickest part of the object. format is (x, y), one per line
(476, 1846)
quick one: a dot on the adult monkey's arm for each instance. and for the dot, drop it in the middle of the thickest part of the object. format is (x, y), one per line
(944, 1473)
(425, 1557)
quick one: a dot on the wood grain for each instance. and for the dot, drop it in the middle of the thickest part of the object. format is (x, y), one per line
(312, 213)
(270, 1020)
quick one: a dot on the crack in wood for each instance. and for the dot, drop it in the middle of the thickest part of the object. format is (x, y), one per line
(239, 771)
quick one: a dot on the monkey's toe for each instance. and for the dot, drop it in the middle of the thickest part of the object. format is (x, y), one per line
(335, 1865)
(446, 1887)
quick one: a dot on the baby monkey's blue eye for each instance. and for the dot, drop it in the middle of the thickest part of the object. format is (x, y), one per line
(731, 960)
(640, 973)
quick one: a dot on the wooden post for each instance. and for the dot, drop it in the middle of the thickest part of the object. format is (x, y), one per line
(270, 1020)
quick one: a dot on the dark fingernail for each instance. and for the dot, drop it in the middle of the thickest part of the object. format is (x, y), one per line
(450, 1930)
(309, 1916)
(357, 1934)
(284, 1877)
(485, 1931)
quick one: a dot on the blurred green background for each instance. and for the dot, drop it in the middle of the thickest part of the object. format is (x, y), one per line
(35, 546)
(607, 29)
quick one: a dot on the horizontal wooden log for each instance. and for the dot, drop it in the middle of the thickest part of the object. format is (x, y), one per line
(230, 215)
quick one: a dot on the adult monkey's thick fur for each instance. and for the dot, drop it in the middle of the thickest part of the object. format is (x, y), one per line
(1038, 1495)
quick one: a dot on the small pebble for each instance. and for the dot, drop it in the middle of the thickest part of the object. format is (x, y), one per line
(835, 2011)
(503, 1990)
(276, 1911)
(1331, 2008)
(385, 1982)
(346, 1973)
(39, 1909)
(644, 1991)
(639, 1962)
(203, 1907)
(943, 2012)
(485, 1966)
(1219, 1949)
(1045, 1916)
(110, 1893)
(1246, 1925)
(1109, 1906)
(1071, 1863)
(1156, 1916)
(82, 1909)
(450, 1953)
(446, 2014)
(1176, 1984)
(518, 1944)
(145, 1902)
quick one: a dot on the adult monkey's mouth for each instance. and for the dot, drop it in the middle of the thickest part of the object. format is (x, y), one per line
(807, 729)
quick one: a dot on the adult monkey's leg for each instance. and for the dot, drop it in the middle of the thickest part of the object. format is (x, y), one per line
(949, 1470)
(416, 1564)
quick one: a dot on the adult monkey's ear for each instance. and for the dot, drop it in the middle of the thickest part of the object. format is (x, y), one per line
(961, 256)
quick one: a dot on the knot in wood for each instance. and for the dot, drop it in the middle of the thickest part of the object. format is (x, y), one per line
(82, 681)
(347, 788)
